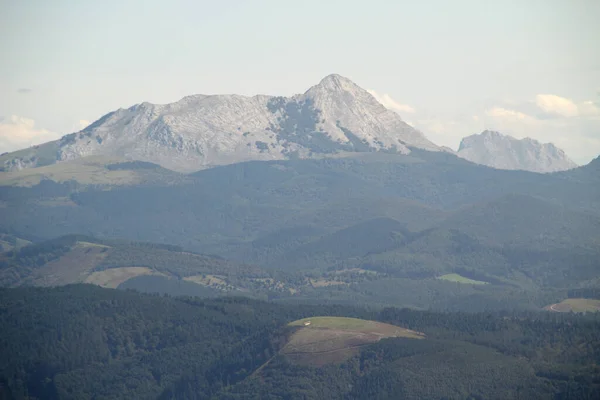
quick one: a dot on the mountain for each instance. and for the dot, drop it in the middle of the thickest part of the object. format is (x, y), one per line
(505, 152)
(201, 131)
(586, 173)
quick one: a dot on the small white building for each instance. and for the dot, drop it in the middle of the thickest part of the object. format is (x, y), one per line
(307, 323)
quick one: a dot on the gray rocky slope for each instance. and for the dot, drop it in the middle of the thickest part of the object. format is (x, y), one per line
(201, 131)
(505, 152)
(333, 116)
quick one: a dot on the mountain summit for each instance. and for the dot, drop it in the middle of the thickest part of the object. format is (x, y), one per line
(505, 152)
(201, 131)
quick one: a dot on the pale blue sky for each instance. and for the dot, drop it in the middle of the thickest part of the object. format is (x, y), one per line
(463, 66)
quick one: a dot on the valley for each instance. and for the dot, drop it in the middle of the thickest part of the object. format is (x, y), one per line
(382, 230)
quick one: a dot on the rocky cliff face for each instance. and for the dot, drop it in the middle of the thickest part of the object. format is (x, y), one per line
(505, 152)
(202, 131)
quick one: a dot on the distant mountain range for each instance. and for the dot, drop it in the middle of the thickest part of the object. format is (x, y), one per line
(202, 131)
(505, 152)
(335, 116)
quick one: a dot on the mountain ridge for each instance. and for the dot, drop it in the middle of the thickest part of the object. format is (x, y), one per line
(201, 131)
(500, 151)
(335, 116)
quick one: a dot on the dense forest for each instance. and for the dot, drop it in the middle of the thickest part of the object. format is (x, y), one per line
(82, 341)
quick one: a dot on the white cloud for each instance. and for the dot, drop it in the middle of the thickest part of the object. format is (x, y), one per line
(560, 106)
(553, 104)
(505, 113)
(574, 126)
(577, 132)
(83, 123)
(19, 132)
(390, 103)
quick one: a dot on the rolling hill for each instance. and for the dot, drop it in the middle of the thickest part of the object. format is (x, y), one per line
(118, 263)
(351, 229)
(322, 340)
(80, 341)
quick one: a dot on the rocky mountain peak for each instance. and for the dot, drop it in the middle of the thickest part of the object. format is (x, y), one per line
(497, 150)
(201, 131)
(336, 88)
(335, 83)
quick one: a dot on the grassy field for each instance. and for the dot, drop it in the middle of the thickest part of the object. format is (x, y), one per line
(575, 305)
(460, 279)
(323, 340)
(88, 170)
(340, 323)
(79, 265)
(73, 267)
(113, 277)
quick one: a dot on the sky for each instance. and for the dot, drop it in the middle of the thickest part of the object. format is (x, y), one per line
(450, 68)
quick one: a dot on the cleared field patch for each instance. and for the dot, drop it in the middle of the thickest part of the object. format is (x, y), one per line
(214, 281)
(73, 267)
(88, 170)
(113, 277)
(89, 244)
(323, 340)
(575, 305)
(460, 279)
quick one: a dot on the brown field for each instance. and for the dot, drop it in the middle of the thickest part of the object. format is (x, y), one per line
(335, 339)
(87, 170)
(575, 305)
(73, 267)
(113, 277)
(78, 266)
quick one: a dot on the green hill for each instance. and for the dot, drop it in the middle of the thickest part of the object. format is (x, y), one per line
(372, 236)
(94, 170)
(83, 341)
(322, 340)
(374, 228)
(116, 263)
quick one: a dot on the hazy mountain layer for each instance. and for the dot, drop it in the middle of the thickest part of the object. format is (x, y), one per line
(505, 152)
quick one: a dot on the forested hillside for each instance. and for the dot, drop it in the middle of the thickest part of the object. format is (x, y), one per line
(371, 228)
(82, 341)
(418, 274)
